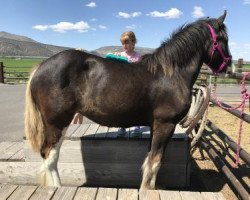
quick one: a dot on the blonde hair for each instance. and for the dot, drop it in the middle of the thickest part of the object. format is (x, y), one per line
(128, 36)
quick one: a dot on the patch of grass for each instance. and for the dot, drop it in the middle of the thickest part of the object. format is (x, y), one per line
(246, 66)
(20, 64)
(17, 69)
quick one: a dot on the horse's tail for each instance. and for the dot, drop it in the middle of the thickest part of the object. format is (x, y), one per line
(34, 127)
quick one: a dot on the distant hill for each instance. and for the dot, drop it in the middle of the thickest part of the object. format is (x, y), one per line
(6, 35)
(17, 45)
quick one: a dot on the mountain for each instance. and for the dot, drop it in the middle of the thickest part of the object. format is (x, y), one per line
(6, 35)
(17, 45)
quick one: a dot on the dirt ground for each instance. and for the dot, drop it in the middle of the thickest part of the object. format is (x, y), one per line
(204, 174)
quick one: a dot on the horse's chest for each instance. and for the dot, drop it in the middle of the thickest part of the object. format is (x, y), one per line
(173, 107)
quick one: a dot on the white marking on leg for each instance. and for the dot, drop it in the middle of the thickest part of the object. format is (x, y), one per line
(155, 169)
(146, 174)
(49, 166)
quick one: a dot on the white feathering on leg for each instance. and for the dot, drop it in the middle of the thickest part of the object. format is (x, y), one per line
(155, 170)
(49, 167)
(146, 174)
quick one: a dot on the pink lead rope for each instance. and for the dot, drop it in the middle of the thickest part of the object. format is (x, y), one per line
(244, 94)
(244, 97)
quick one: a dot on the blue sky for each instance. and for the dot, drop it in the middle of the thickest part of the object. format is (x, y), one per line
(90, 24)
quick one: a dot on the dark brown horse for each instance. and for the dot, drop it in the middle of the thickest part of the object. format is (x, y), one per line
(155, 92)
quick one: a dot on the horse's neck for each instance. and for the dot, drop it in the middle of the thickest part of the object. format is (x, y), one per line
(189, 65)
(190, 72)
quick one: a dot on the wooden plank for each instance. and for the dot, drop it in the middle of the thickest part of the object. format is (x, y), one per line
(106, 174)
(6, 190)
(112, 132)
(122, 151)
(65, 193)
(101, 132)
(86, 193)
(212, 195)
(71, 151)
(91, 131)
(29, 154)
(187, 195)
(149, 195)
(106, 194)
(19, 172)
(17, 156)
(4, 146)
(179, 129)
(129, 151)
(23, 192)
(71, 130)
(5, 155)
(127, 194)
(80, 131)
(170, 195)
(43, 193)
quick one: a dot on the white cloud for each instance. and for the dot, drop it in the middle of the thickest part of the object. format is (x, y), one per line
(170, 14)
(41, 27)
(91, 4)
(128, 15)
(136, 14)
(102, 27)
(240, 50)
(65, 26)
(232, 44)
(247, 46)
(123, 15)
(246, 2)
(198, 12)
(131, 27)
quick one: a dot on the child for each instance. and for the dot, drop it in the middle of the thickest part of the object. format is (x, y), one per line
(128, 41)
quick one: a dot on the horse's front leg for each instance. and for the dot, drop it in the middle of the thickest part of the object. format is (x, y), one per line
(162, 132)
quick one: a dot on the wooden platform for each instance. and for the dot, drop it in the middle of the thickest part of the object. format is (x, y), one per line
(93, 155)
(25, 192)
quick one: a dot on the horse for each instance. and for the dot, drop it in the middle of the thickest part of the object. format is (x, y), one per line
(155, 92)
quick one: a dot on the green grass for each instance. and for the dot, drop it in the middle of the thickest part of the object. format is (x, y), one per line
(22, 64)
(225, 81)
(17, 69)
(246, 66)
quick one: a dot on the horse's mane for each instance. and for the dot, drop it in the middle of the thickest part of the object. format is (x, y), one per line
(177, 50)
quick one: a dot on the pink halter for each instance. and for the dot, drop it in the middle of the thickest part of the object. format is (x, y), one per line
(216, 46)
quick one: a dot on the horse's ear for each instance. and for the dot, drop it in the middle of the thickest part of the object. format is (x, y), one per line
(222, 18)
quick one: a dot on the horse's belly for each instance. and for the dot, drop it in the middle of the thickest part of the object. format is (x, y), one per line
(116, 120)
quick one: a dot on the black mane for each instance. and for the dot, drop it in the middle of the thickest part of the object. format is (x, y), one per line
(180, 47)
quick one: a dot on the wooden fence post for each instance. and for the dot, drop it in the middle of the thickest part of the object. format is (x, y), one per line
(240, 64)
(1, 73)
(239, 68)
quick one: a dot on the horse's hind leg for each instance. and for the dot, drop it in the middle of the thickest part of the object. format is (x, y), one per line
(50, 153)
(162, 132)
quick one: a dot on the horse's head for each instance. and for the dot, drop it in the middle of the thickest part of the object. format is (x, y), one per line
(217, 53)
